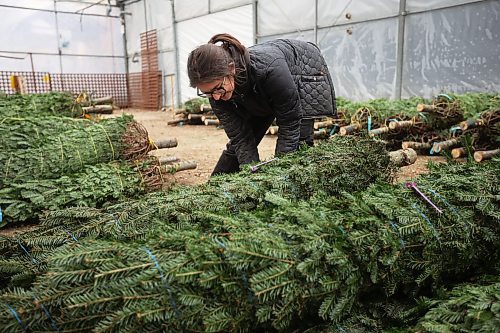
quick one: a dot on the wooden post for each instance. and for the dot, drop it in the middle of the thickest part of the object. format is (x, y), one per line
(458, 152)
(416, 145)
(205, 107)
(403, 157)
(176, 121)
(320, 134)
(482, 155)
(102, 109)
(444, 145)
(428, 108)
(193, 116)
(184, 165)
(379, 131)
(208, 116)
(167, 159)
(470, 123)
(401, 124)
(321, 124)
(214, 122)
(345, 130)
(166, 143)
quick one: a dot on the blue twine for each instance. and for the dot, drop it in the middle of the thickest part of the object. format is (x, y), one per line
(221, 244)
(454, 129)
(117, 222)
(231, 200)
(342, 230)
(250, 295)
(20, 322)
(369, 123)
(453, 209)
(70, 234)
(432, 151)
(53, 323)
(427, 219)
(444, 95)
(1, 216)
(27, 252)
(333, 130)
(395, 227)
(165, 283)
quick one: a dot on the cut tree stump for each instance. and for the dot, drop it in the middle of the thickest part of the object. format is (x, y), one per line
(458, 152)
(403, 157)
(166, 143)
(416, 145)
(379, 131)
(349, 129)
(181, 166)
(444, 145)
(482, 155)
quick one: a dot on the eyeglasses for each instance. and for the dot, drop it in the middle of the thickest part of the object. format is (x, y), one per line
(219, 90)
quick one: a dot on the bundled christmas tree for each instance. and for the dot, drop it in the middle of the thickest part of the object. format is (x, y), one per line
(29, 132)
(287, 265)
(345, 163)
(72, 150)
(39, 105)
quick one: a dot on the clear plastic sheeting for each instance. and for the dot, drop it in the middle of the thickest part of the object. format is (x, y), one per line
(284, 16)
(88, 8)
(91, 35)
(452, 50)
(27, 31)
(186, 9)
(73, 64)
(22, 62)
(424, 5)
(160, 18)
(362, 58)
(135, 25)
(307, 36)
(217, 5)
(348, 11)
(192, 33)
(38, 4)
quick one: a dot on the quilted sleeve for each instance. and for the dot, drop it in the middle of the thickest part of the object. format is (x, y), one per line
(279, 85)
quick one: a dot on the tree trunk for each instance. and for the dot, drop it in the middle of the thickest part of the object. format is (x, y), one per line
(458, 152)
(444, 145)
(403, 157)
(416, 145)
(485, 154)
(166, 143)
(379, 131)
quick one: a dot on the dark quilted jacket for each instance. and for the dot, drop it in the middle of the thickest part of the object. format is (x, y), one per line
(286, 78)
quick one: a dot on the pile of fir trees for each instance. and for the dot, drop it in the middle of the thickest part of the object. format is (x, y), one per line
(52, 162)
(418, 123)
(345, 163)
(39, 105)
(295, 257)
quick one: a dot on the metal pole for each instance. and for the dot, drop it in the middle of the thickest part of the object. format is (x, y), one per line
(176, 47)
(125, 47)
(400, 49)
(316, 22)
(255, 22)
(33, 72)
(59, 46)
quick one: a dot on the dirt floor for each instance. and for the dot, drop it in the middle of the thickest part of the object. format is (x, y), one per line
(204, 144)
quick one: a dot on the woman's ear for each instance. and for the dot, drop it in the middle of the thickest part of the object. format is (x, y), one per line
(232, 68)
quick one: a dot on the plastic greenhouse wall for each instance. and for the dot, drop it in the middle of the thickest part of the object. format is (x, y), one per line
(60, 37)
(374, 48)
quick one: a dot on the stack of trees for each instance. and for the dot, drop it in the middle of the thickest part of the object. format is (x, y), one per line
(339, 260)
(52, 162)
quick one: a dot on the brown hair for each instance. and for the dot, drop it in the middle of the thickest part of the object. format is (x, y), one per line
(210, 62)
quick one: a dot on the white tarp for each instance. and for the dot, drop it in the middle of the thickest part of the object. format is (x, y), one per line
(284, 16)
(348, 11)
(217, 5)
(186, 9)
(453, 50)
(362, 58)
(35, 31)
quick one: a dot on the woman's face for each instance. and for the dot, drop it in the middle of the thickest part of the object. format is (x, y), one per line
(218, 89)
